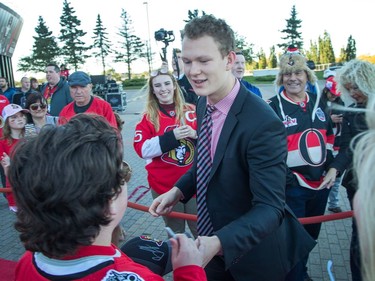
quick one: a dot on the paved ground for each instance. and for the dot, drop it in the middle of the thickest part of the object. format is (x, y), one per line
(333, 243)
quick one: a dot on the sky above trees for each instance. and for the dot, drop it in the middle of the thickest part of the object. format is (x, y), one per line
(259, 21)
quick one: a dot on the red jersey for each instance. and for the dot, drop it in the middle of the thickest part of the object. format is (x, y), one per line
(98, 106)
(167, 159)
(95, 263)
(7, 147)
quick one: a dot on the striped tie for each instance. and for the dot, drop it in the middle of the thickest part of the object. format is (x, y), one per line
(204, 163)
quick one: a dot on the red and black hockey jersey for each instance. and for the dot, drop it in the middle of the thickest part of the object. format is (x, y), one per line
(167, 159)
(310, 137)
(95, 263)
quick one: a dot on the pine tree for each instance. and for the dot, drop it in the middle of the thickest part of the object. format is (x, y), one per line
(351, 50)
(326, 52)
(292, 37)
(132, 47)
(45, 50)
(74, 48)
(272, 60)
(101, 42)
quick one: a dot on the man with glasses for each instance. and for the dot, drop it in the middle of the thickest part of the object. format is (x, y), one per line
(84, 101)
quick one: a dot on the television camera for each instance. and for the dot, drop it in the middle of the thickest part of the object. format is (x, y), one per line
(166, 37)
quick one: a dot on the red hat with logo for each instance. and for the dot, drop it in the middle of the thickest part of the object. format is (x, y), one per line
(331, 85)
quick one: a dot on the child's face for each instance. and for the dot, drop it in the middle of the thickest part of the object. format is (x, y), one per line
(17, 121)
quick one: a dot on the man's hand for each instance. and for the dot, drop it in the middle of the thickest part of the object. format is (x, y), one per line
(163, 204)
(210, 247)
(186, 252)
(329, 179)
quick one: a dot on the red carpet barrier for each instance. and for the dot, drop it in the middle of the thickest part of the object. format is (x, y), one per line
(309, 220)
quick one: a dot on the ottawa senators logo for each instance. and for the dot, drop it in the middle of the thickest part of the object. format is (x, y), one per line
(183, 155)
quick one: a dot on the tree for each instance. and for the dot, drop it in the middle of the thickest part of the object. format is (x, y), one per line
(194, 14)
(262, 60)
(246, 48)
(326, 53)
(313, 53)
(351, 50)
(272, 60)
(101, 42)
(45, 50)
(132, 47)
(74, 48)
(342, 55)
(292, 37)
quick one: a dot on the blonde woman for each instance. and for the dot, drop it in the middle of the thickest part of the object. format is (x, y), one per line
(165, 138)
(356, 80)
(364, 162)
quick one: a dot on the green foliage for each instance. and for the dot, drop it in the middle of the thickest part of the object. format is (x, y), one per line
(326, 54)
(351, 50)
(70, 35)
(193, 14)
(45, 50)
(267, 78)
(313, 53)
(262, 60)
(244, 47)
(135, 82)
(272, 60)
(101, 42)
(292, 37)
(131, 47)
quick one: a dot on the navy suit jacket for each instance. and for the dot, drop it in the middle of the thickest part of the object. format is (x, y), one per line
(260, 237)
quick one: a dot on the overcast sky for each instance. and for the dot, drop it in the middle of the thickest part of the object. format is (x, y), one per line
(259, 21)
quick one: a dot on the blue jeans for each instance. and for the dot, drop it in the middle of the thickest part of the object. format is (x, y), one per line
(333, 198)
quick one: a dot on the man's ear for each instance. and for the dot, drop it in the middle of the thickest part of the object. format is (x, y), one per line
(231, 57)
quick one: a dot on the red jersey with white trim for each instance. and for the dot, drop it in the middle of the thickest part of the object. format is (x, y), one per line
(310, 142)
(98, 106)
(167, 159)
(94, 263)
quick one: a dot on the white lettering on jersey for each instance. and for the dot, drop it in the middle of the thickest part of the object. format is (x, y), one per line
(289, 122)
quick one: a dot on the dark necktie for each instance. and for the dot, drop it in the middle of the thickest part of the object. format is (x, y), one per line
(204, 163)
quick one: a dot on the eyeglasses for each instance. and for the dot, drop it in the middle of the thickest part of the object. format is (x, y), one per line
(36, 106)
(162, 70)
(126, 171)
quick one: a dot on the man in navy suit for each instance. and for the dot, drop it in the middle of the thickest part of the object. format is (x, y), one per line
(255, 236)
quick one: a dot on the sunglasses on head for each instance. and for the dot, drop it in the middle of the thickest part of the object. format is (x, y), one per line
(163, 70)
(36, 106)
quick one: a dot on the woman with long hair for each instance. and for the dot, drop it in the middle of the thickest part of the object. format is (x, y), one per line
(165, 138)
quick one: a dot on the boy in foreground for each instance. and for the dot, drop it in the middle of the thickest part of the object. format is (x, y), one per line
(70, 185)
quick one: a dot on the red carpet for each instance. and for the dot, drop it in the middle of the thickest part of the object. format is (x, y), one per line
(7, 269)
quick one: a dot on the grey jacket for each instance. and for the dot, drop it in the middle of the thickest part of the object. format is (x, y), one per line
(60, 98)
